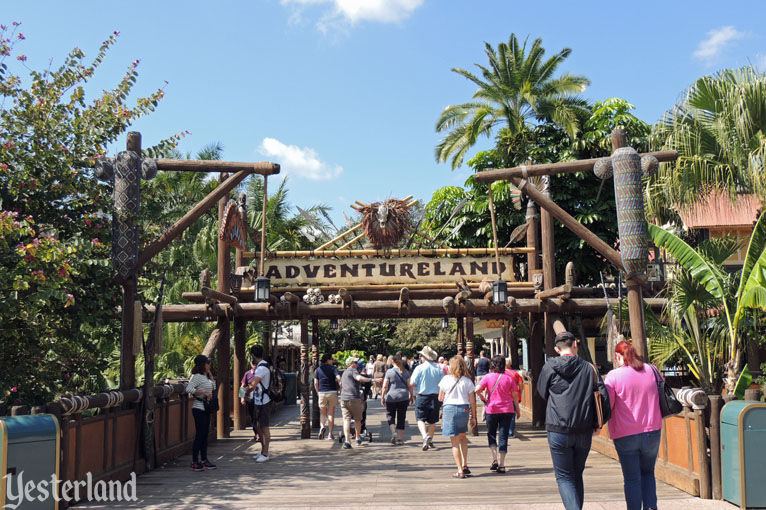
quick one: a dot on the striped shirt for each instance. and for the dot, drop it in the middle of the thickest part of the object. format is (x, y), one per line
(199, 382)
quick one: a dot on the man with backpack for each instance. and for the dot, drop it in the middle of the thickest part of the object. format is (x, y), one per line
(262, 402)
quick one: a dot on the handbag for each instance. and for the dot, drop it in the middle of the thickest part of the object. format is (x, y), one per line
(211, 405)
(601, 402)
(669, 404)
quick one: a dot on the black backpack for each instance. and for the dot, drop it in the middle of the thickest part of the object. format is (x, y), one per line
(276, 389)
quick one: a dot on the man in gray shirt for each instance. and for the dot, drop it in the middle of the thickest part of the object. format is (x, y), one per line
(351, 404)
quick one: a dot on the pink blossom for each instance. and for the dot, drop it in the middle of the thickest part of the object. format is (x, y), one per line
(21, 36)
(88, 222)
(22, 58)
(14, 389)
(99, 225)
(96, 241)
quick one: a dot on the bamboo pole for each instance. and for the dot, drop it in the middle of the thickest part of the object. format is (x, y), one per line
(357, 238)
(395, 252)
(263, 222)
(304, 382)
(224, 344)
(336, 239)
(218, 296)
(494, 229)
(567, 167)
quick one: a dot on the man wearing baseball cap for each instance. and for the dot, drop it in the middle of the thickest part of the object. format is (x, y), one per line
(425, 384)
(351, 405)
(567, 383)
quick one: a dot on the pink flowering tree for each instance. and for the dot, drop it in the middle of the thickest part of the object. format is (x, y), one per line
(58, 300)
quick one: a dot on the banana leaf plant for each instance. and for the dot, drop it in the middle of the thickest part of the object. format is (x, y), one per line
(731, 306)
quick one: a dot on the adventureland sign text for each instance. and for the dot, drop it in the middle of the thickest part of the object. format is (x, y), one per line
(347, 271)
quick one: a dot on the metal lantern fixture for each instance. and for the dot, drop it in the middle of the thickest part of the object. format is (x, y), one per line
(334, 324)
(499, 292)
(262, 289)
(445, 323)
(236, 283)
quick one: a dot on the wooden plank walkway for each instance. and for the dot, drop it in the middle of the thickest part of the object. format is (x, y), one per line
(320, 474)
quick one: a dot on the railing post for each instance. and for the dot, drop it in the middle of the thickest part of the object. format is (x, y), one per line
(715, 446)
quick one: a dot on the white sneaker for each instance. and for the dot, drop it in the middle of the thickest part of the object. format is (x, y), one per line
(330, 437)
(261, 458)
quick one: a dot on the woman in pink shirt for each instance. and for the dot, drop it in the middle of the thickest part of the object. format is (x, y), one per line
(636, 424)
(498, 390)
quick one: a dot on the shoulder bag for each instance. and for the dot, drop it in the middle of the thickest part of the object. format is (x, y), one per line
(601, 402)
(669, 404)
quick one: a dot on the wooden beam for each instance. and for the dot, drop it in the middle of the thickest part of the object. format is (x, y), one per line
(200, 165)
(572, 224)
(190, 217)
(562, 291)
(223, 354)
(422, 308)
(396, 252)
(218, 296)
(304, 382)
(566, 167)
(352, 241)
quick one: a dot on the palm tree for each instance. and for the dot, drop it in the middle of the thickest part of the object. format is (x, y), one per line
(719, 130)
(719, 294)
(517, 87)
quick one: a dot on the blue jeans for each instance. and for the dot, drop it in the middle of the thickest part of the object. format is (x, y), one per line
(512, 427)
(569, 453)
(497, 430)
(638, 454)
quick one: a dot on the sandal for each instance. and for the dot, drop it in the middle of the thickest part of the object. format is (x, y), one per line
(493, 467)
(458, 475)
(501, 470)
(466, 471)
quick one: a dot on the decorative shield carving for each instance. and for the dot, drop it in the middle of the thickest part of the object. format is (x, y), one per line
(233, 230)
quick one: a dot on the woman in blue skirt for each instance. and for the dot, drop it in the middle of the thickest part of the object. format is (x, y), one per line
(456, 391)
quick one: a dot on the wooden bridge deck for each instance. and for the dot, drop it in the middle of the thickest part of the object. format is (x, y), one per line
(320, 474)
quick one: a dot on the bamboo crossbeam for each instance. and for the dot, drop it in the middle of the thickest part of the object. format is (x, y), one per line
(566, 167)
(425, 308)
(562, 291)
(336, 239)
(190, 217)
(199, 165)
(396, 252)
(357, 238)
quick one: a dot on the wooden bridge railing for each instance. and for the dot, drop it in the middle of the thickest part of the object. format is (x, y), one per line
(107, 444)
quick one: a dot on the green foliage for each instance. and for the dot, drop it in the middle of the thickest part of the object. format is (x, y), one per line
(413, 334)
(743, 382)
(718, 130)
(340, 357)
(58, 293)
(710, 287)
(583, 195)
(517, 88)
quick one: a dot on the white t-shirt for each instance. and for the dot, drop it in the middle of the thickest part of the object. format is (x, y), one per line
(260, 397)
(459, 392)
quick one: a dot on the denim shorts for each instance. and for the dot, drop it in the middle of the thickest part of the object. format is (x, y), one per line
(455, 419)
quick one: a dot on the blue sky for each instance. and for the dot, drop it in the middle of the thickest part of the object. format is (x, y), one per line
(345, 93)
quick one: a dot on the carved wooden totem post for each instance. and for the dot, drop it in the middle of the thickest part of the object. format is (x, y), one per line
(126, 171)
(315, 365)
(304, 382)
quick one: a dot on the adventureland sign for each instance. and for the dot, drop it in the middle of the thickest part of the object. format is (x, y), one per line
(347, 271)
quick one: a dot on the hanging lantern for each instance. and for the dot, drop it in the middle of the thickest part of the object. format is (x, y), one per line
(334, 324)
(499, 292)
(445, 323)
(236, 283)
(262, 289)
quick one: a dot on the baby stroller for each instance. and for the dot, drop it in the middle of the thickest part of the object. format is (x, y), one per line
(366, 434)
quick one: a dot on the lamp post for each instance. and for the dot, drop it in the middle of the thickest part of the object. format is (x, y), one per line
(445, 323)
(334, 324)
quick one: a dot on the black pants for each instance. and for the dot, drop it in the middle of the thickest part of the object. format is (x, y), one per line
(250, 408)
(202, 427)
(396, 413)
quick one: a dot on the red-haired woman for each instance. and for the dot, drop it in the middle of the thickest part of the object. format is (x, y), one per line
(636, 424)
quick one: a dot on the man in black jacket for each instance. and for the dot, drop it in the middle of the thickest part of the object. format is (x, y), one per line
(567, 383)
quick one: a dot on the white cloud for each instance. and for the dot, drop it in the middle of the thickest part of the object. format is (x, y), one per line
(301, 162)
(718, 39)
(341, 12)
